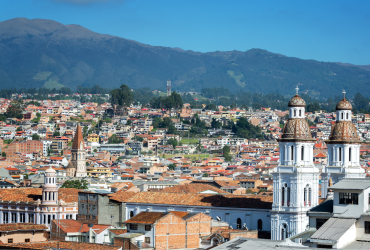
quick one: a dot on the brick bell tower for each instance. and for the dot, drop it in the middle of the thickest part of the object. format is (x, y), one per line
(78, 161)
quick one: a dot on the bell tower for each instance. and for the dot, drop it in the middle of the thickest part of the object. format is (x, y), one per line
(78, 154)
(343, 149)
(295, 179)
(50, 188)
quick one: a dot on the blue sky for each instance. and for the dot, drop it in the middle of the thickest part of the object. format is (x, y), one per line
(335, 31)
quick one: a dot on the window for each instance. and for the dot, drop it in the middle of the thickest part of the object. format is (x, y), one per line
(348, 198)
(350, 152)
(292, 153)
(347, 116)
(367, 227)
(282, 196)
(238, 223)
(300, 113)
(133, 226)
(342, 116)
(82, 205)
(302, 153)
(320, 222)
(10, 240)
(26, 240)
(340, 154)
(288, 196)
(131, 214)
(147, 239)
(148, 227)
(295, 112)
(259, 225)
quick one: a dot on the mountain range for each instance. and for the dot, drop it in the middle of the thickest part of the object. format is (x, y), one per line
(38, 53)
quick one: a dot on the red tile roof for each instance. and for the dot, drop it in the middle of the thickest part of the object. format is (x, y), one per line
(21, 226)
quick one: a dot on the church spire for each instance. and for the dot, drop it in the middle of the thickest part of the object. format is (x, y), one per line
(78, 138)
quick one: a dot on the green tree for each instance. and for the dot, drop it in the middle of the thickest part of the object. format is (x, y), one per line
(19, 129)
(122, 97)
(3, 154)
(114, 139)
(171, 166)
(226, 153)
(35, 137)
(171, 130)
(215, 123)
(172, 142)
(56, 133)
(205, 175)
(129, 122)
(75, 184)
(95, 150)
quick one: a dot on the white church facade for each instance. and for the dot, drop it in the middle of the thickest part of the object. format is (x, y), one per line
(296, 179)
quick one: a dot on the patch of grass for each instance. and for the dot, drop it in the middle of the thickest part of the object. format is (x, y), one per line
(50, 84)
(237, 78)
(190, 141)
(42, 76)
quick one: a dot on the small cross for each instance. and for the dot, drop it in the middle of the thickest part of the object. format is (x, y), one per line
(296, 90)
(344, 94)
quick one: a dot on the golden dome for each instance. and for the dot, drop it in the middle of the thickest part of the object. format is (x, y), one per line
(344, 105)
(343, 131)
(297, 101)
(296, 128)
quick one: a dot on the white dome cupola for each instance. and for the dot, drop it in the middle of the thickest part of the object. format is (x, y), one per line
(344, 109)
(50, 188)
(297, 106)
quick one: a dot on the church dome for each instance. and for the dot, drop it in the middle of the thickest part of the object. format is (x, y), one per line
(344, 105)
(296, 128)
(297, 101)
(343, 131)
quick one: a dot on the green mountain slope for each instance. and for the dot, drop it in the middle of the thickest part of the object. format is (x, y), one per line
(38, 52)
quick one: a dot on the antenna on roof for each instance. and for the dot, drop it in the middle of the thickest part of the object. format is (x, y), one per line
(296, 90)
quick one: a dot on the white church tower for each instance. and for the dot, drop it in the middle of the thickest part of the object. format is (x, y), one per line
(343, 149)
(296, 179)
(50, 188)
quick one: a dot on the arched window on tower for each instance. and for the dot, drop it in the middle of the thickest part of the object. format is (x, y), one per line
(309, 196)
(305, 196)
(282, 196)
(342, 115)
(347, 116)
(350, 154)
(259, 225)
(288, 195)
(295, 112)
(300, 113)
(340, 154)
(302, 153)
(284, 231)
(292, 153)
(238, 223)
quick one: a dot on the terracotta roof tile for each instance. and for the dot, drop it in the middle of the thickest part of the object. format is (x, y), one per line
(193, 188)
(32, 194)
(22, 226)
(261, 202)
(63, 245)
(146, 218)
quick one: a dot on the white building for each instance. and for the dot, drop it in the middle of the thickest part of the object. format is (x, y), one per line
(296, 179)
(252, 212)
(343, 149)
(349, 225)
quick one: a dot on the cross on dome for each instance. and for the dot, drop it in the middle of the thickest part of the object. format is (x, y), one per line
(344, 94)
(296, 90)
